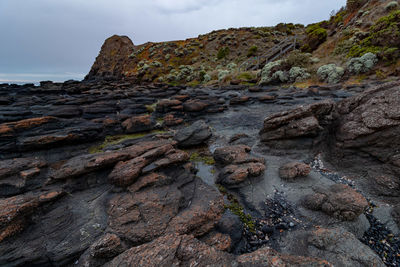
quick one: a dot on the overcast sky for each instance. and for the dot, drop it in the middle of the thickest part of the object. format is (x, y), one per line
(59, 39)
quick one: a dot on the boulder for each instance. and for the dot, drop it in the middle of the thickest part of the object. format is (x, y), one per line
(194, 105)
(173, 250)
(339, 201)
(293, 170)
(139, 124)
(341, 248)
(369, 123)
(238, 164)
(303, 121)
(195, 134)
(269, 257)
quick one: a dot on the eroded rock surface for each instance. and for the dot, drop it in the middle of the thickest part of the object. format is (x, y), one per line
(85, 181)
(338, 200)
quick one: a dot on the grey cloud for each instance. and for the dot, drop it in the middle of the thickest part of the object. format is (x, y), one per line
(56, 37)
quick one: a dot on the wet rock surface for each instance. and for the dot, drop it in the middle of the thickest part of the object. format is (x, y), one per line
(107, 173)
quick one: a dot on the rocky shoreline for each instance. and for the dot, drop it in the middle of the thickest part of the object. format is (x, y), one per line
(112, 173)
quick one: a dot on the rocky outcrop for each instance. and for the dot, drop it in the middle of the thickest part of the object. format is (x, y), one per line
(195, 134)
(293, 170)
(237, 164)
(339, 201)
(341, 248)
(113, 59)
(370, 123)
(304, 121)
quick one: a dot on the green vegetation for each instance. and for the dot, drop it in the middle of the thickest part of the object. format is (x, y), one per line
(151, 108)
(297, 59)
(252, 51)
(197, 157)
(316, 35)
(383, 39)
(235, 207)
(223, 52)
(247, 76)
(117, 139)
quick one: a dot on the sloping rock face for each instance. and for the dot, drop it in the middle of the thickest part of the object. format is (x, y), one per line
(112, 61)
(304, 121)
(370, 124)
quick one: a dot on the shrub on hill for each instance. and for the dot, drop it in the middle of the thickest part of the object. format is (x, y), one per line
(252, 51)
(330, 73)
(316, 35)
(383, 39)
(223, 52)
(362, 64)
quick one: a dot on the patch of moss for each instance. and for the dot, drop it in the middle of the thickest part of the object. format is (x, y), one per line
(151, 108)
(235, 207)
(247, 76)
(117, 139)
(193, 83)
(197, 157)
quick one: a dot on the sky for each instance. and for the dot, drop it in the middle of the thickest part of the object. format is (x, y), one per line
(60, 39)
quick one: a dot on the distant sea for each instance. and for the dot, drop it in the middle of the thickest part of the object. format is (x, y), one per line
(36, 78)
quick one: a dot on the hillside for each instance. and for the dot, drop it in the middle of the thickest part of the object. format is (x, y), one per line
(237, 56)
(187, 60)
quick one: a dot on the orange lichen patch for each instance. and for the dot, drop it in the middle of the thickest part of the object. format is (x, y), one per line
(50, 196)
(5, 129)
(34, 122)
(12, 229)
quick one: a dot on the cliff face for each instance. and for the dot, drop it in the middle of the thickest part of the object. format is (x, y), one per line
(112, 60)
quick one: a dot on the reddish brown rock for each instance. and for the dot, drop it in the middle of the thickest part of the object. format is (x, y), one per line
(87, 163)
(173, 250)
(166, 104)
(14, 211)
(203, 213)
(293, 170)
(144, 215)
(236, 174)
(24, 166)
(22, 125)
(138, 124)
(239, 100)
(107, 246)
(339, 201)
(219, 241)
(239, 164)
(269, 257)
(113, 60)
(194, 105)
(152, 179)
(234, 155)
(170, 120)
(125, 173)
(266, 98)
